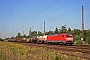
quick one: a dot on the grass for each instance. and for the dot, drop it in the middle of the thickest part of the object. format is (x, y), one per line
(12, 51)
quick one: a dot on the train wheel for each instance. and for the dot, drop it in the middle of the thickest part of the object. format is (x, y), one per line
(48, 43)
(42, 42)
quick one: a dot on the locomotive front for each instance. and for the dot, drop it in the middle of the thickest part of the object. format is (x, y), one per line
(69, 39)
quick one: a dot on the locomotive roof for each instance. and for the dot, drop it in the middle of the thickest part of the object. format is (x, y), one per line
(62, 34)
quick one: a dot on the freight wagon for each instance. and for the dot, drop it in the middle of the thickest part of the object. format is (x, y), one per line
(38, 39)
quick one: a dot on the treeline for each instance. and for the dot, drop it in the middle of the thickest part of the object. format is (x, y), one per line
(77, 33)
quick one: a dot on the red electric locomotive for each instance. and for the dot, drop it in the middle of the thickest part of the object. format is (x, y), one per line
(60, 39)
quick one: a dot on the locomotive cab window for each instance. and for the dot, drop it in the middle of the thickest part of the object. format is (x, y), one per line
(68, 35)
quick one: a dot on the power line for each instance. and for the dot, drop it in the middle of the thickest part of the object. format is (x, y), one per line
(41, 11)
(69, 13)
(32, 11)
(61, 15)
(8, 13)
(11, 12)
(53, 11)
(64, 15)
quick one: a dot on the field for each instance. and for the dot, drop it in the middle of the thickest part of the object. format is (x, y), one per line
(13, 51)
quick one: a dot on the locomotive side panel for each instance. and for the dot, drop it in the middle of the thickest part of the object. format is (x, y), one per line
(56, 38)
(60, 38)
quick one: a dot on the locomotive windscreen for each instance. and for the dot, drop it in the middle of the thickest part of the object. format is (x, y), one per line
(68, 35)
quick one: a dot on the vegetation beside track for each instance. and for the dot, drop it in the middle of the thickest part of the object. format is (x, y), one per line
(12, 51)
(77, 33)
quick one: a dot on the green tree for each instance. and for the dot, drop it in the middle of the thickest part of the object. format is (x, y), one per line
(24, 36)
(56, 30)
(59, 31)
(69, 30)
(50, 32)
(12, 37)
(40, 33)
(77, 37)
(1, 39)
(87, 40)
(28, 36)
(63, 29)
(19, 35)
(76, 32)
(33, 33)
(87, 36)
(46, 33)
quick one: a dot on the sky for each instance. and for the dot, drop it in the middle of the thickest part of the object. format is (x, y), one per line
(19, 15)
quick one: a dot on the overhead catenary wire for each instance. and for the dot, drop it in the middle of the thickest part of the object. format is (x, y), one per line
(57, 17)
(53, 12)
(68, 14)
(40, 12)
(12, 11)
(60, 16)
(9, 15)
(32, 11)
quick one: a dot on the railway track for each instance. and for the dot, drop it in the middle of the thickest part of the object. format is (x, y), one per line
(76, 50)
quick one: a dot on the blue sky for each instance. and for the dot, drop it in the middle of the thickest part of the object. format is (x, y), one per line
(19, 15)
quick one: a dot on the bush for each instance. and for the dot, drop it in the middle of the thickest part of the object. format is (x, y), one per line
(87, 40)
(77, 37)
(1, 39)
(79, 42)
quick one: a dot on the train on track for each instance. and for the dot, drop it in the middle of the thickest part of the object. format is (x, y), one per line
(64, 38)
(54, 39)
